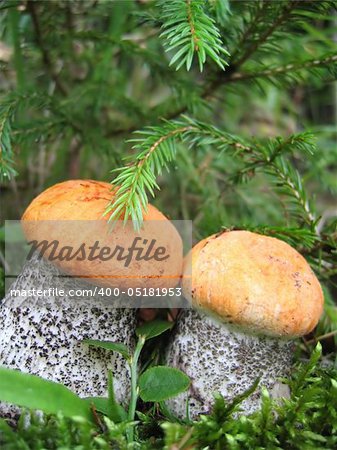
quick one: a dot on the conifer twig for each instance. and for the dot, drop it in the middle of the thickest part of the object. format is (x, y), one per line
(287, 9)
(275, 71)
(45, 54)
(157, 147)
(190, 31)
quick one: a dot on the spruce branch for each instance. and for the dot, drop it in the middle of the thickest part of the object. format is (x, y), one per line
(8, 109)
(303, 239)
(294, 72)
(280, 12)
(269, 157)
(285, 75)
(290, 185)
(269, 23)
(250, 29)
(48, 63)
(6, 152)
(279, 18)
(190, 31)
(324, 62)
(156, 148)
(221, 9)
(10, 106)
(266, 152)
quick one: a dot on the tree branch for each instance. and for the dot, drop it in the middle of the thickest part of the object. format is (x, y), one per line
(231, 74)
(253, 48)
(282, 69)
(45, 55)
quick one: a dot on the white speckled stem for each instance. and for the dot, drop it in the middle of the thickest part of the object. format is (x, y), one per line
(220, 358)
(42, 336)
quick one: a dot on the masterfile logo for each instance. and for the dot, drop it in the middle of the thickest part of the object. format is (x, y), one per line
(117, 260)
(140, 250)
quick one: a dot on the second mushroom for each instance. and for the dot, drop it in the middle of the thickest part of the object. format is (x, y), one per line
(251, 295)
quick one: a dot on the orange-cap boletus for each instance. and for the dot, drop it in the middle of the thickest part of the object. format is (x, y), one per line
(42, 334)
(251, 295)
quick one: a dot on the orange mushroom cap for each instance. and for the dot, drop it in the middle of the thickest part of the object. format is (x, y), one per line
(253, 281)
(80, 201)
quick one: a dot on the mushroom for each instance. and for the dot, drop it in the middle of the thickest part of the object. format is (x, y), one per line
(252, 295)
(41, 333)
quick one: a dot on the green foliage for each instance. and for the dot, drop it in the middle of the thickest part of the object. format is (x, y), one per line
(33, 392)
(190, 31)
(154, 384)
(154, 328)
(108, 345)
(58, 432)
(303, 421)
(157, 147)
(10, 108)
(6, 152)
(109, 406)
(161, 383)
(221, 10)
(93, 99)
(308, 419)
(81, 77)
(294, 73)
(155, 151)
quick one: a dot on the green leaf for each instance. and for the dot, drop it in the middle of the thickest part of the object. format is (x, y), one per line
(33, 392)
(161, 383)
(109, 345)
(116, 412)
(152, 329)
(103, 405)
